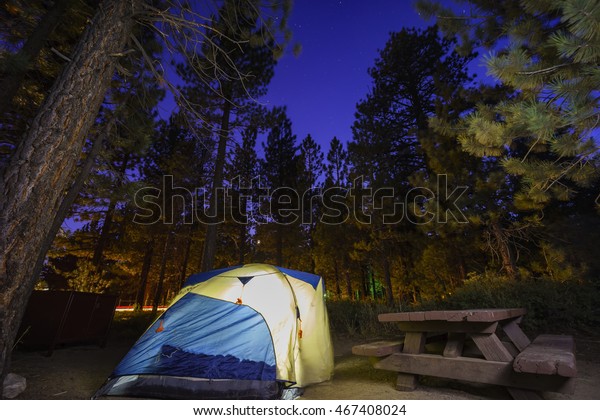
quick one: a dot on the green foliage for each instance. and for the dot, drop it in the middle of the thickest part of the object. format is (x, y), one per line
(85, 279)
(359, 319)
(552, 305)
(549, 54)
(131, 325)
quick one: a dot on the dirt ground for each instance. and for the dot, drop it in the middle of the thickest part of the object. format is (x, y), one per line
(76, 372)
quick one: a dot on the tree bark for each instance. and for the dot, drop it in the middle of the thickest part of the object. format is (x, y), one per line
(34, 182)
(508, 260)
(279, 244)
(372, 281)
(141, 293)
(336, 272)
(104, 237)
(388, 282)
(13, 78)
(348, 280)
(70, 197)
(186, 258)
(365, 282)
(210, 241)
(243, 234)
(163, 269)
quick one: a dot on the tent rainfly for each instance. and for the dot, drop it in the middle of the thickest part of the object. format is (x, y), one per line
(247, 332)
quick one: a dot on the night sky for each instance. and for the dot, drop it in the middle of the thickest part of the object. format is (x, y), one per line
(340, 40)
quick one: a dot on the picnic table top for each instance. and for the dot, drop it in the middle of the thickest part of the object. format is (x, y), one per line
(464, 315)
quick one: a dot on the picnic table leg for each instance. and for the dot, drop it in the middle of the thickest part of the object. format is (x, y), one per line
(493, 349)
(454, 345)
(414, 343)
(516, 334)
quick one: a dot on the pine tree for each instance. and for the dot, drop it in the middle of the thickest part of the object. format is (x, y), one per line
(41, 167)
(335, 234)
(38, 37)
(549, 55)
(243, 172)
(310, 171)
(280, 175)
(412, 78)
(410, 70)
(224, 82)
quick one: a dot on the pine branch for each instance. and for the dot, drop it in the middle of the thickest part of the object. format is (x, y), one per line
(542, 71)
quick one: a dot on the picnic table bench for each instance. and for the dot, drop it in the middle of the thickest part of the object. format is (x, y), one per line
(525, 368)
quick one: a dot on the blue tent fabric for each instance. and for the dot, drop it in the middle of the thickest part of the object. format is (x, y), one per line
(309, 278)
(200, 335)
(209, 344)
(177, 362)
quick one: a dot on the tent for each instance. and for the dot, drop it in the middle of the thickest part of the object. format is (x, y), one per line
(247, 332)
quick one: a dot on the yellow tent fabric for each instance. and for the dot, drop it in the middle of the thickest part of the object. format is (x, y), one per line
(294, 311)
(242, 332)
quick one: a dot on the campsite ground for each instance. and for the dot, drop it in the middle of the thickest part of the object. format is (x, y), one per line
(76, 372)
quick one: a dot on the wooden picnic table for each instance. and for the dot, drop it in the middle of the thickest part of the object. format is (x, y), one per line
(547, 365)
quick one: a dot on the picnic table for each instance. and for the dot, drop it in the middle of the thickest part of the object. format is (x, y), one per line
(504, 354)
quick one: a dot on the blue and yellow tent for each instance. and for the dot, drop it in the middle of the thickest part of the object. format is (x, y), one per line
(243, 332)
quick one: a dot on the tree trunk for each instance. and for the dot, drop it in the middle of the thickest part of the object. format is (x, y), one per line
(141, 293)
(13, 78)
(279, 244)
(365, 281)
(243, 234)
(70, 197)
(388, 282)
(508, 261)
(348, 280)
(372, 281)
(104, 237)
(186, 258)
(163, 269)
(210, 241)
(336, 271)
(33, 184)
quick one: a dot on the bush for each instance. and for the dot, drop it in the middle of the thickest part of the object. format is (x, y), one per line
(131, 325)
(552, 306)
(353, 319)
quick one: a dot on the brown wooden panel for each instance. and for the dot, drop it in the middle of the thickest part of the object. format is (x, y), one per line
(457, 316)
(549, 355)
(491, 347)
(394, 316)
(436, 315)
(524, 394)
(454, 345)
(470, 315)
(378, 348)
(416, 316)
(61, 317)
(406, 382)
(516, 334)
(444, 326)
(486, 315)
(414, 342)
(474, 370)
(511, 348)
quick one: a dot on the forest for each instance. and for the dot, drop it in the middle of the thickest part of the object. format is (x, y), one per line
(451, 192)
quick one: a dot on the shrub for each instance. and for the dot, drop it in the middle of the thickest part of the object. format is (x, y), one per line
(359, 318)
(552, 306)
(131, 325)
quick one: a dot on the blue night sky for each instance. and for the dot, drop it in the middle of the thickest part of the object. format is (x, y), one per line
(340, 40)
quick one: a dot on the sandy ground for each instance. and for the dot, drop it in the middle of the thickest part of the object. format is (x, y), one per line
(76, 372)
